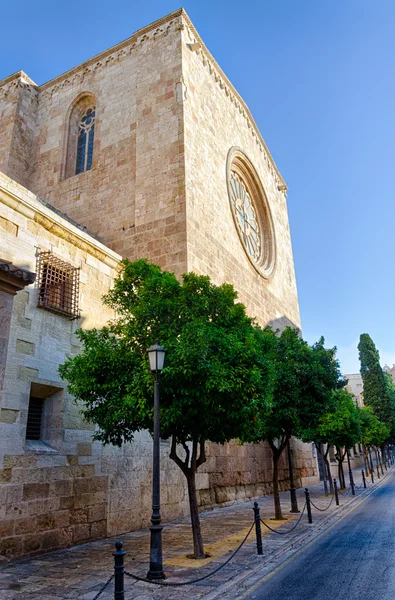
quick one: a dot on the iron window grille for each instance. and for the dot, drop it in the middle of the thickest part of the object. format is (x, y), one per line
(58, 284)
(34, 417)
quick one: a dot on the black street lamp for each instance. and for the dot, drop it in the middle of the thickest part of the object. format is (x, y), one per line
(156, 356)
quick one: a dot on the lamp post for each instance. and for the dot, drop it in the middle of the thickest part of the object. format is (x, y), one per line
(156, 354)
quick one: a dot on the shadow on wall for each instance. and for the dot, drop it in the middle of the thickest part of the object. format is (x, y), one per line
(281, 323)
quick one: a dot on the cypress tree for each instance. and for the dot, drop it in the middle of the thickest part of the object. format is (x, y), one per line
(375, 389)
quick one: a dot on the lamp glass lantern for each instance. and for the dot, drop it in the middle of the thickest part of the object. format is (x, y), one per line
(156, 354)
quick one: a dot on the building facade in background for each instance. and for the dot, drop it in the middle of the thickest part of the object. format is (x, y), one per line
(145, 150)
(390, 371)
(355, 387)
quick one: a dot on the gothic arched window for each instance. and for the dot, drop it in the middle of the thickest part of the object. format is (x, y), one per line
(86, 133)
(80, 135)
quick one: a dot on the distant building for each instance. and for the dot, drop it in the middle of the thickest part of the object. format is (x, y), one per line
(390, 370)
(355, 387)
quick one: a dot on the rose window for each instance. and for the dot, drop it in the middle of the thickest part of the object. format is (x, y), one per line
(251, 212)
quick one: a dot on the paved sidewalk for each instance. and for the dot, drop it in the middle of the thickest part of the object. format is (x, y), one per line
(80, 572)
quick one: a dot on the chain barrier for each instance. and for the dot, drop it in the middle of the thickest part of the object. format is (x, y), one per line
(198, 579)
(289, 530)
(103, 588)
(323, 509)
(192, 581)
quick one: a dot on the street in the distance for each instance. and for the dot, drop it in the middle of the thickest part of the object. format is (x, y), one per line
(352, 560)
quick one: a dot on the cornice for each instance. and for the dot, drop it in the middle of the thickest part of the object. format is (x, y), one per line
(107, 57)
(13, 278)
(27, 204)
(19, 75)
(18, 80)
(118, 51)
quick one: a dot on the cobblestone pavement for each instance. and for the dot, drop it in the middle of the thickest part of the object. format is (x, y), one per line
(80, 572)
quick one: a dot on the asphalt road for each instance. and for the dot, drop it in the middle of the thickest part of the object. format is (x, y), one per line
(355, 560)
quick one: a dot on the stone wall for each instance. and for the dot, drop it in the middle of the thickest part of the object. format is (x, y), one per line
(53, 493)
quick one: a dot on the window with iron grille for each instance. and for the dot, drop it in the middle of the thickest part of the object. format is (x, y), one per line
(58, 284)
(34, 418)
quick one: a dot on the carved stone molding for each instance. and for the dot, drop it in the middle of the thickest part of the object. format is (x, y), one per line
(13, 278)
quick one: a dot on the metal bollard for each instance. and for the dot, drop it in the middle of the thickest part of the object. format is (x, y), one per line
(363, 479)
(336, 492)
(119, 569)
(258, 531)
(378, 470)
(372, 475)
(308, 505)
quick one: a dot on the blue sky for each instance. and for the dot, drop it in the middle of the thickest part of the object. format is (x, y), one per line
(319, 78)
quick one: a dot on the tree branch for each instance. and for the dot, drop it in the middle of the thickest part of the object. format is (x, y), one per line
(173, 455)
(194, 455)
(283, 443)
(187, 452)
(202, 455)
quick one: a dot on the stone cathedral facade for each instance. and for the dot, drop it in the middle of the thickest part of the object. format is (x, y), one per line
(145, 150)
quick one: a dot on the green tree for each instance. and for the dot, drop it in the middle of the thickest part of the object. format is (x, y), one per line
(216, 377)
(302, 391)
(375, 389)
(373, 431)
(390, 385)
(341, 427)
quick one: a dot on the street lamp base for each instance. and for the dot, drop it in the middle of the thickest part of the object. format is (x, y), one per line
(156, 564)
(156, 574)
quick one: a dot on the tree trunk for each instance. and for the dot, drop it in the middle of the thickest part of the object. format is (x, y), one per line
(189, 467)
(371, 460)
(276, 454)
(377, 461)
(383, 456)
(365, 459)
(198, 548)
(341, 475)
(340, 457)
(321, 453)
(276, 492)
(328, 467)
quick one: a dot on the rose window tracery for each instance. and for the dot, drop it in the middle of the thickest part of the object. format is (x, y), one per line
(251, 212)
(245, 216)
